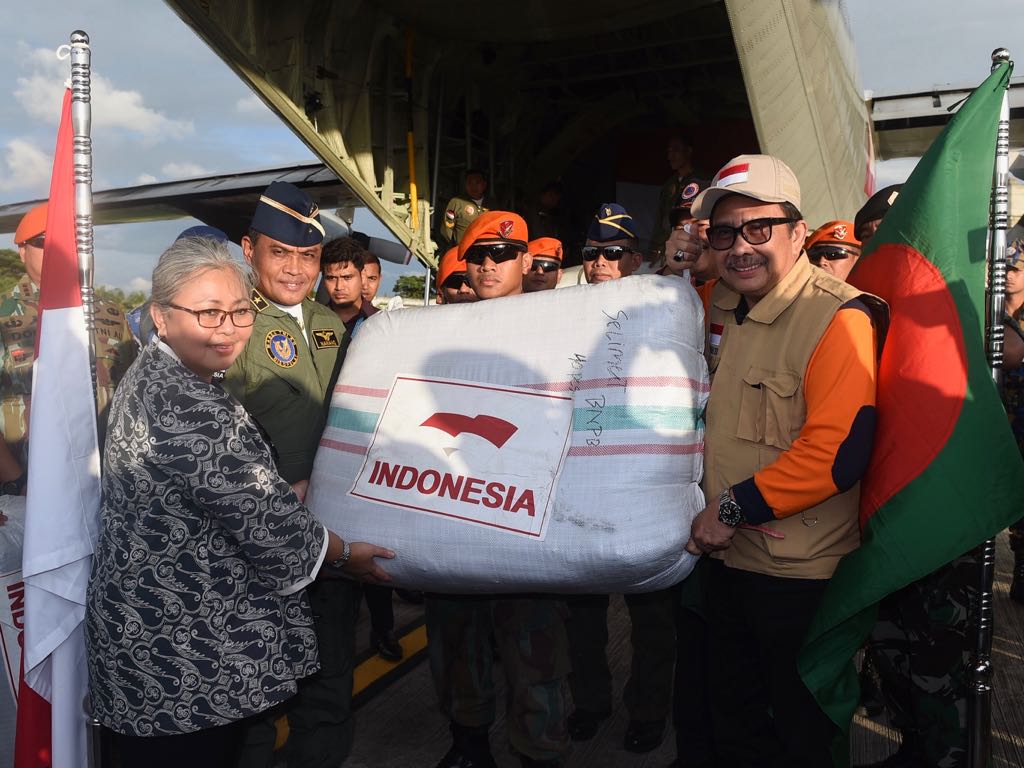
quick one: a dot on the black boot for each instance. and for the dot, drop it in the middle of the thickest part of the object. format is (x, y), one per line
(471, 748)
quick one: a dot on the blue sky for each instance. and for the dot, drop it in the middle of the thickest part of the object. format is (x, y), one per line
(165, 107)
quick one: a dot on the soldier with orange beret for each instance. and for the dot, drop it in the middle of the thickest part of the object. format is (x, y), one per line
(834, 248)
(546, 268)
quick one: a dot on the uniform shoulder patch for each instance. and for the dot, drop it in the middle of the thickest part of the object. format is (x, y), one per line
(258, 301)
(325, 338)
(281, 348)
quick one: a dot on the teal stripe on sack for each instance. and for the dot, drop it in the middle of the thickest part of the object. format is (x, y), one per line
(635, 417)
(354, 421)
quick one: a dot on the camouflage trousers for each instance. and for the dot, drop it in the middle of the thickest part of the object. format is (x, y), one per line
(530, 636)
(921, 647)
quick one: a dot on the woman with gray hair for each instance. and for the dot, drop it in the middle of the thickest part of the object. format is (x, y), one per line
(196, 613)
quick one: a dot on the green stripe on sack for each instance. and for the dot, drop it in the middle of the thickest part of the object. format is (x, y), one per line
(635, 417)
(354, 421)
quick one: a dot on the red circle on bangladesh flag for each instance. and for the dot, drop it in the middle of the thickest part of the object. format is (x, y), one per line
(922, 378)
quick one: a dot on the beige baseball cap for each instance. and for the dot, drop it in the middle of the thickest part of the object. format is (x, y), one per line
(761, 177)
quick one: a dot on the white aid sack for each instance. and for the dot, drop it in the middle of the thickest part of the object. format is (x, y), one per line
(549, 442)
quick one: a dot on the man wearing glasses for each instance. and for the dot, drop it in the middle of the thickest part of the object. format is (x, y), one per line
(789, 426)
(284, 378)
(18, 325)
(834, 248)
(611, 253)
(529, 630)
(612, 249)
(452, 283)
(546, 268)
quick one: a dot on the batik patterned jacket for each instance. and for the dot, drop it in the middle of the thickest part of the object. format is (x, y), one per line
(196, 613)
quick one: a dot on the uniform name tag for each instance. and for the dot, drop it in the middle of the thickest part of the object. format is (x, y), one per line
(325, 338)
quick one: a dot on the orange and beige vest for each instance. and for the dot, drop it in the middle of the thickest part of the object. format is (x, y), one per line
(757, 409)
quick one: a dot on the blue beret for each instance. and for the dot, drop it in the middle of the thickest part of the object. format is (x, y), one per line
(210, 233)
(611, 222)
(286, 214)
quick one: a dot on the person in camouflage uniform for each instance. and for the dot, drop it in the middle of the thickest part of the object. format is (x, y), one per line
(463, 210)
(529, 630)
(1013, 393)
(922, 650)
(921, 644)
(19, 313)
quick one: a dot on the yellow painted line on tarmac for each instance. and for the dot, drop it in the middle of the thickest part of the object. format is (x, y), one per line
(375, 667)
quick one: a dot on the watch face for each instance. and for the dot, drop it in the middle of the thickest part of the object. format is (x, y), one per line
(729, 511)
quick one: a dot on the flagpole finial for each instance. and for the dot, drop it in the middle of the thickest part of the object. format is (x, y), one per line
(999, 55)
(78, 36)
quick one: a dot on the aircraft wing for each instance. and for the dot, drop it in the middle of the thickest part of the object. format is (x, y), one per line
(225, 201)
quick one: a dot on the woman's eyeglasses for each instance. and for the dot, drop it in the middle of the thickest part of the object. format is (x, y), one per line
(214, 318)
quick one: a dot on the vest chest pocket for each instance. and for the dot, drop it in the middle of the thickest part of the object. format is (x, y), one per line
(769, 410)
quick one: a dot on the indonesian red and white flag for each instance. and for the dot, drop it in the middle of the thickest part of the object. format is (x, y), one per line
(62, 513)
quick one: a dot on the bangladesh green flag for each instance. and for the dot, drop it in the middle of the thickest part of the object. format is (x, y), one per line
(945, 474)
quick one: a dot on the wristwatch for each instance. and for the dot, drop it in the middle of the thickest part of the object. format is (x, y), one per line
(340, 560)
(729, 512)
(14, 487)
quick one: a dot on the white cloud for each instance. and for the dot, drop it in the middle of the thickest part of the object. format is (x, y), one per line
(140, 284)
(250, 105)
(40, 93)
(183, 170)
(145, 178)
(24, 166)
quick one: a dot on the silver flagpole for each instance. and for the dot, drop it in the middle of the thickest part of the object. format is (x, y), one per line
(980, 711)
(81, 123)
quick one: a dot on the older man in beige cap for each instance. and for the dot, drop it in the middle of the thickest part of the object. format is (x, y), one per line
(790, 421)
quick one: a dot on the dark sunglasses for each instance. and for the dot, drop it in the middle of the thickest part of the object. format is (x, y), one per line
(610, 252)
(455, 282)
(544, 266)
(496, 252)
(36, 242)
(756, 232)
(830, 254)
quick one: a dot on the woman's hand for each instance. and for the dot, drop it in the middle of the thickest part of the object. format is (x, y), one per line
(362, 563)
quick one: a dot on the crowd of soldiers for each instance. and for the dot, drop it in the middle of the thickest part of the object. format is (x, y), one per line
(792, 350)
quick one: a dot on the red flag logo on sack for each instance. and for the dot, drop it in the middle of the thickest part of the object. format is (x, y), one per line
(492, 429)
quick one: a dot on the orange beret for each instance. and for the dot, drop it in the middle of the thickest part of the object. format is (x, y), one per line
(494, 227)
(32, 224)
(837, 232)
(546, 246)
(449, 265)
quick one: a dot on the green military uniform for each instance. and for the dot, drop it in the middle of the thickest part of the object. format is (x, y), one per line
(459, 214)
(19, 322)
(283, 378)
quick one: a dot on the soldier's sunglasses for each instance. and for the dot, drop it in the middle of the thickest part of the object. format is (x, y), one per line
(829, 253)
(610, 252)
(499, 253)
(36, 242)
(214, 318)
(455, 282)
(756, 232)
(544, 265)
